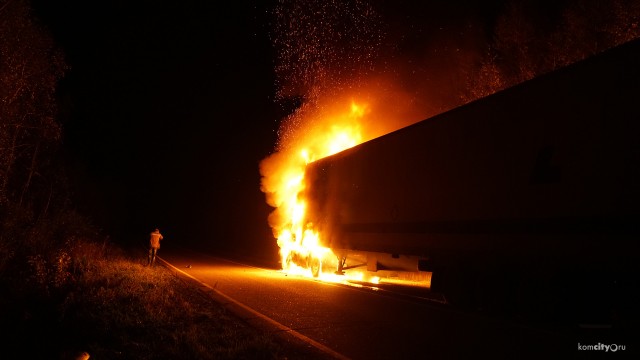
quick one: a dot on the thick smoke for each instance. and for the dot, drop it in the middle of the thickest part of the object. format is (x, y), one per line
(408, 61)
(413, 60)
(334, 55)
(323, 48)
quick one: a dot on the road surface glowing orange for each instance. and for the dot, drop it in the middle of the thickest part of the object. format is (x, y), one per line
(301, 251)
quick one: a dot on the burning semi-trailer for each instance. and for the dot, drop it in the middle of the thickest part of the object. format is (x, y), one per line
(528, 195)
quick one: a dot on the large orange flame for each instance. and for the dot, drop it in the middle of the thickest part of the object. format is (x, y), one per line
(340, 131)
(330, 124)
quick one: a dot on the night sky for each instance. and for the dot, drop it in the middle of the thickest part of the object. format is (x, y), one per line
(168, 108)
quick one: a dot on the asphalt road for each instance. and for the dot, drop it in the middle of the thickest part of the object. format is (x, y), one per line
(362, 323)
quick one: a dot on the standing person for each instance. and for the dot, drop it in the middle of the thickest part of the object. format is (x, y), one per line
(154, 245)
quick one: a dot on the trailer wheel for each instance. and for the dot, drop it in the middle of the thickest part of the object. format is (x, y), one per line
(315, 266)
(287, 261)
(342, 260)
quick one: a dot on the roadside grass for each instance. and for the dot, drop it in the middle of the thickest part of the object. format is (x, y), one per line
(104, 301)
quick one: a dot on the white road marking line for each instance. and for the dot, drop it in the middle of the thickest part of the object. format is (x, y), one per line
(269, 320)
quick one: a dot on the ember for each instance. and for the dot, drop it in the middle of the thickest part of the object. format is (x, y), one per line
(346, 99)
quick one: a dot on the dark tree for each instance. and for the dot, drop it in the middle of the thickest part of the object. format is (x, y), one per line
(531, 38)
(30, 68)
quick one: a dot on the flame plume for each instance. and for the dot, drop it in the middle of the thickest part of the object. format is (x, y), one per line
(283, 182)
(327, 55)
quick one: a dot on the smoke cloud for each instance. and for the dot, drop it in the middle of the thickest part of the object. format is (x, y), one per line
(356, 68)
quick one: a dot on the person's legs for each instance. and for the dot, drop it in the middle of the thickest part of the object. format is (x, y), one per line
(154, 251)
